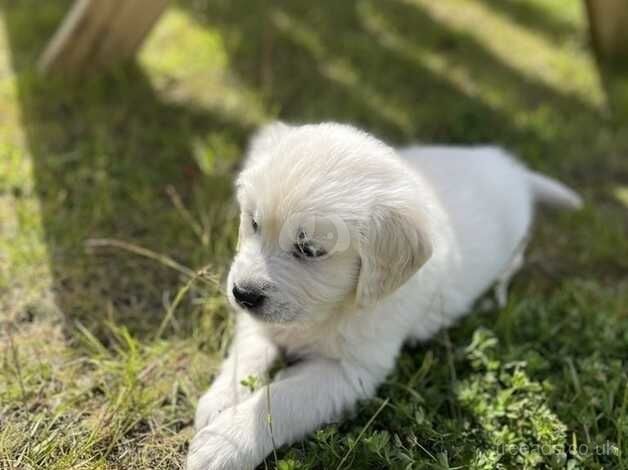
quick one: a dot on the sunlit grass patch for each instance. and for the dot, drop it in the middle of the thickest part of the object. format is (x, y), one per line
(564, 66)
(188, 62)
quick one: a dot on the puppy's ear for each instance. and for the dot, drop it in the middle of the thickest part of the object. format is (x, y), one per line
(267, 136)
(393, 247)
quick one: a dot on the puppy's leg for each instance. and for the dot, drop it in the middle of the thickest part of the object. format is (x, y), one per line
(251, 354)
(503, 282)
(307, 395)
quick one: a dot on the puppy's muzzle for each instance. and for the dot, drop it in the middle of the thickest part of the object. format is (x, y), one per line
(249, 298)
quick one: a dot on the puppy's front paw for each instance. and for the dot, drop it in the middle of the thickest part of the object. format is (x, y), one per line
(212, 403)
(229, 442)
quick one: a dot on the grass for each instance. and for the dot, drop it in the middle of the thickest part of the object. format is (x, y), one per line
(106, 345)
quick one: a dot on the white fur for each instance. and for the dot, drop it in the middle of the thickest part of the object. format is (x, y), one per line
(413, 237)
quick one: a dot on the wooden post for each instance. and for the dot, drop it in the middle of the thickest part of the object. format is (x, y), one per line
(608, 22)
(98, 33)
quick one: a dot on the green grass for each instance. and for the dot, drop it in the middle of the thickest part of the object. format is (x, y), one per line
(105, 347)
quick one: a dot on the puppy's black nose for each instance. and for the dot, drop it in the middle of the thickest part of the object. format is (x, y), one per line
(248, 298)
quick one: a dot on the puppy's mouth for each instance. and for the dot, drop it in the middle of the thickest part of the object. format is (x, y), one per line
(271, 313)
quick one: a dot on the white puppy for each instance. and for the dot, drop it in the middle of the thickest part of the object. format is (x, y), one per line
(348, 248)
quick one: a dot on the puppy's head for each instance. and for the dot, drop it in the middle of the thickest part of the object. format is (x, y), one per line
(331, 220)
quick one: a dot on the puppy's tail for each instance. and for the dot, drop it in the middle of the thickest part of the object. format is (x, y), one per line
(554, 193)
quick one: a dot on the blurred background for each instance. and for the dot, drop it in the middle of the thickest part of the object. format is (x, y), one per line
(117, 222)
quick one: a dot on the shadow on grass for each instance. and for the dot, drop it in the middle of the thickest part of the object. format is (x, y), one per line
(614, 76)
(104, 151)
(368, 63)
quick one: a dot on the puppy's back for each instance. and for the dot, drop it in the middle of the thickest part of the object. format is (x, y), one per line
(488, 201)
(484, 190)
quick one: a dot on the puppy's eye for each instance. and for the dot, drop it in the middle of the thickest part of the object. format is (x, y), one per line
(305, 249)
(254, 225)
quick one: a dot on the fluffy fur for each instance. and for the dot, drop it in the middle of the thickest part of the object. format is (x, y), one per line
(410, 239)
